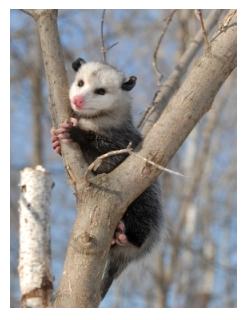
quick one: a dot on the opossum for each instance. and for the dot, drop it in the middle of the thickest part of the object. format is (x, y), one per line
(101, 103)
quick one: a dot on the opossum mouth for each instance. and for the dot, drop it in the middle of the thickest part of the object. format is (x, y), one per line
(98, 114)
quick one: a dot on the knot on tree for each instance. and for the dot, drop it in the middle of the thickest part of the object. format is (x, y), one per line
(85, 242)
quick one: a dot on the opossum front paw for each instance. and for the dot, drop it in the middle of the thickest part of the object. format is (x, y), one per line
(120, 237)
(64, 129)
(62, 133)
(55, 141)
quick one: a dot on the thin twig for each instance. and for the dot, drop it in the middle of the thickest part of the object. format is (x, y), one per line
(112, 45)
(158, 165)
(205, 35)
(155, 54)
(103, 49)
(159, 75)
(96, 164)
(225, 24)
(227, 19)
(29, 12)
(148, 110)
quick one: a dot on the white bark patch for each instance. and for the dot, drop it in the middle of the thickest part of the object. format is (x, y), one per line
(35, 252)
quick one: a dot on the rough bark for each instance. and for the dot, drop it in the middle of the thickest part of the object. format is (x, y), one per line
(35, 252)
(102, 201)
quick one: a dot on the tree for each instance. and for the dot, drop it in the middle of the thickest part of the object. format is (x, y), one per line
(89, 244)
(35, 252)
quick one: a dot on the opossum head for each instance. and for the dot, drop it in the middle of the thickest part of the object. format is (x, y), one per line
(100, 93)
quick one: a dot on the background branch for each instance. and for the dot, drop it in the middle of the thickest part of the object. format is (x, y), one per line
(155, 54)
(103, 49)
(170, 85)
(204, 31)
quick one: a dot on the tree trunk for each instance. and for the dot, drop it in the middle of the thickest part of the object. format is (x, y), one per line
(35, 252)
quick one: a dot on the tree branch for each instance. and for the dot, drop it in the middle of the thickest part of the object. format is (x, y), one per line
(95, 164)
(103, 49)
(58, 87)
(204, 31)
(155, 54)
(170, 85)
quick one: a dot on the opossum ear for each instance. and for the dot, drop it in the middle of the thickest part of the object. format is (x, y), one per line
(129, 84)
(77, 63)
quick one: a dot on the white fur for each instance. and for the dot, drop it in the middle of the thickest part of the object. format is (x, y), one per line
(115, 103)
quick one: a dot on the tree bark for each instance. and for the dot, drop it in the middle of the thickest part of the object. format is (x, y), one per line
(102, 200)
(37, 101)
(35, 252)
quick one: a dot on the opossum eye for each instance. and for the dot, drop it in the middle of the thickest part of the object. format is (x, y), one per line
(100, 91)
(80, 83)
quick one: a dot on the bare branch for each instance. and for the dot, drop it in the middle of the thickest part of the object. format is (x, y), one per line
(155, 54)
(158, 166)
(112, 45)
(30, 12)
(200, 17)
(169, 86)
(227, 19)
(103, 49)
(96, 164)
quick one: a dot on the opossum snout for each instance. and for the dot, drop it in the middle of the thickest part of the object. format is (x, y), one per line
(78, 101)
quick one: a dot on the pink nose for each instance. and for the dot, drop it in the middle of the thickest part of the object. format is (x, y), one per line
(78, 101)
